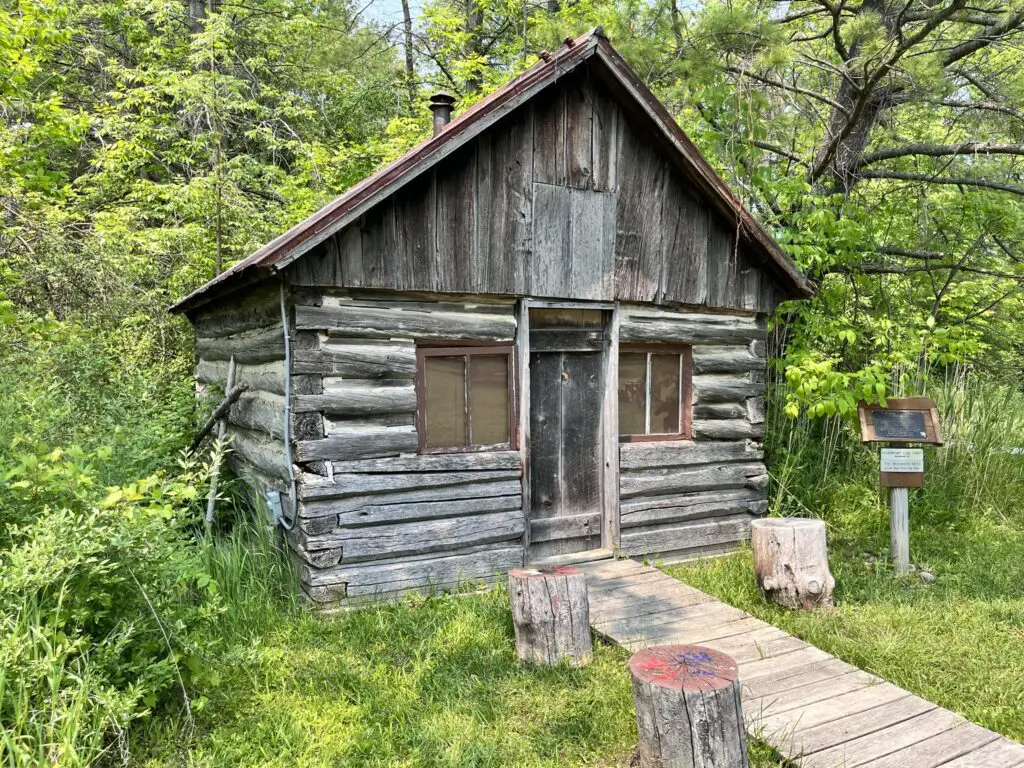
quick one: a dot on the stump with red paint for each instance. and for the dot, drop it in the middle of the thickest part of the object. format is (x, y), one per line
(688, 708)
(551, 614)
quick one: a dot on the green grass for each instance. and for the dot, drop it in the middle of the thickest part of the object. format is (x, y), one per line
(427, 682)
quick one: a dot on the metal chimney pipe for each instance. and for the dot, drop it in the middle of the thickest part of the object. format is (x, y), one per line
(441, 105)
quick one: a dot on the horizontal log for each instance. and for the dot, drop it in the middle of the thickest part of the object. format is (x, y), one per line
(264, 377)
(357, 445)
(727, 429)
(264, 453)
(257, 483)
(720, 389)
(420, 537)
(365, 483)
(357, 398)
(396, 575)
(673, 453)
(665, 539)
(394, 320)
(358, 361)
(335, 424)
(645, 513)
(707, 478)
(565, 527)
(755, 410)
(256, 308)
(380, 514)
(437, 462)
(260, 411)
(667, 327)
(261, 346)
(720, 411)
(732, 359)
(327, 506)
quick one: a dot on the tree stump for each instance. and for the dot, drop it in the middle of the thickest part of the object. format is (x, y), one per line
(551, 614)
(791, 561)
(688, 708)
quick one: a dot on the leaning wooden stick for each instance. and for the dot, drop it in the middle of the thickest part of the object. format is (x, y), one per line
(220, 413)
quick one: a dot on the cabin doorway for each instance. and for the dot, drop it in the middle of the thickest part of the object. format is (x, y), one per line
(569, 353)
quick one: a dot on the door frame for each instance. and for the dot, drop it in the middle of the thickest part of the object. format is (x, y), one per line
(609, 439)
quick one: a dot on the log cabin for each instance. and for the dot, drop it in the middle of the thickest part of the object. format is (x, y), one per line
(537, 337)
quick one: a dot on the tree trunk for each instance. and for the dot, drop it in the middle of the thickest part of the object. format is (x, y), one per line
(551, 614)
(410, 66)
(688, 708)
(791, 561)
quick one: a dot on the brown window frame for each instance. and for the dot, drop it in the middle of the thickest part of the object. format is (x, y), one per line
(685, 351)
(466, 350)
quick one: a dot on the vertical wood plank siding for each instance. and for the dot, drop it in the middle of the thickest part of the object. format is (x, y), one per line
(374, 517)
(685, 498)
(561, 199)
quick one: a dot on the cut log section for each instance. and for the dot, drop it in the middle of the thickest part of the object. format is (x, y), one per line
(551, 614)
(791, 561)
(688, 708)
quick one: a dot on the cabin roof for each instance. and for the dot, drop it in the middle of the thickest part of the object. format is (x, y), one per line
(593, 46)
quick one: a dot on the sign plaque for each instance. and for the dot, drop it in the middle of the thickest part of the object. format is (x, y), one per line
(902, 468)
(901, 420)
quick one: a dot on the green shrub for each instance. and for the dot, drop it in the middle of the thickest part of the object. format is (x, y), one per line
(107, 606)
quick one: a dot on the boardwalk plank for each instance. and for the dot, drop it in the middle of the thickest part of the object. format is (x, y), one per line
(818, 711)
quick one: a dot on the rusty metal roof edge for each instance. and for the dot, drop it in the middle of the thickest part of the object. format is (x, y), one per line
(299, 239)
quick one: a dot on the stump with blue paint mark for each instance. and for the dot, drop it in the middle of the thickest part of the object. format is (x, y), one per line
(688, 708)
(551, 613)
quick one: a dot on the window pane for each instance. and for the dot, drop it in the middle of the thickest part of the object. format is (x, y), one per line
(665, 394)
(445, 401)
(488, 393)
(632, 393)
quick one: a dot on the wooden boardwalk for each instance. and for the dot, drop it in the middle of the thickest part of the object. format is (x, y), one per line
(816, 710)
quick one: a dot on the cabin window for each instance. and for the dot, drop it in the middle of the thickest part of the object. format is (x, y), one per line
(654, 392)
(464, 398)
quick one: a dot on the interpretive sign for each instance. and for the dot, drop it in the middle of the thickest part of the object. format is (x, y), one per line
(902, 468)
(900, 420)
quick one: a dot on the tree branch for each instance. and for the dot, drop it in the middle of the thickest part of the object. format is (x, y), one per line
(930, 179)
(785, 86)
(942, 150)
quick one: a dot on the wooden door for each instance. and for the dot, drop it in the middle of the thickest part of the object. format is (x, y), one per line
(566, 445)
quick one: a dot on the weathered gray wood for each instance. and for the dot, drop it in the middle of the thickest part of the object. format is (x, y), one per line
(686, 536)
(727, 429)
(265, 377)
(653, 325)
(689, 480)
(360, 397)
(390, 320)
(231, 395)
(331, 508)
(938, 750)
(438, 462)
(639, 232)
(396, 574)
(592, 244)
(1002, 752)
(250, 309)
(550, 613)
(359, 484)
(261, 346)
(721, 389)
(899, 529)
(357, 445)
(264, 453)
(260, 411)
(725, 359)
(675, 509)
(419, 537)
(721, 264)
(688, 708)
(791, 562)
(686, 224)
(720, 411)
(358, 361)
(660, 454)
(585, 525)
(847, 728)
(385, 512)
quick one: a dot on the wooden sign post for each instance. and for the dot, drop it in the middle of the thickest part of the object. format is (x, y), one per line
(901, 421)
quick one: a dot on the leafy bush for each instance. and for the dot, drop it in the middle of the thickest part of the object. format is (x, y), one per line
(106, 604)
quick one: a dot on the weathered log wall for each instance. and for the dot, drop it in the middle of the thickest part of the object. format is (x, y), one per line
(249, 329)
(375, 518)
(563, 199)
(681, 499)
